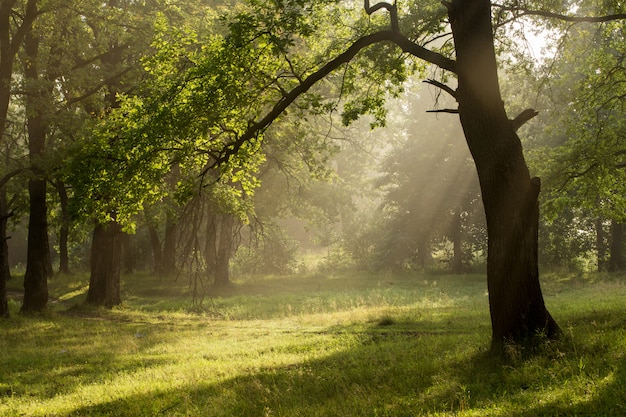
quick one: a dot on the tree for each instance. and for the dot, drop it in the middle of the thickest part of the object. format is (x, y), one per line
(16, 20)
(509, 194)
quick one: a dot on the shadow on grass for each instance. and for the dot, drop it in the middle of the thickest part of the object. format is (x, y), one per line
(392, 372)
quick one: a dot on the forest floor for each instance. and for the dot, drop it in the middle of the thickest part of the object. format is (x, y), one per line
(349, 345)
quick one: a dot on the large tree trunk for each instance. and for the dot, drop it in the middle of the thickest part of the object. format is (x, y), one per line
(106, 253)
(617, 261)
(38, 263)
(518, 312)
(36, 276)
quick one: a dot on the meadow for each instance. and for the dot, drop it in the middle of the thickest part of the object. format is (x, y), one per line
(348, 345)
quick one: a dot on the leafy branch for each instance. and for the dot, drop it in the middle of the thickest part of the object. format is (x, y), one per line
(255, 128)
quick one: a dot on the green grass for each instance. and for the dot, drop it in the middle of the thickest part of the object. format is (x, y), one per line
(311, 346)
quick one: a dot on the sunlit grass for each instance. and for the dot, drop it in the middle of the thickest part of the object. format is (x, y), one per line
(310, 346)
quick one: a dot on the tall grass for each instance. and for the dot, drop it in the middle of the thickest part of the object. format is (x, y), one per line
(311, 346)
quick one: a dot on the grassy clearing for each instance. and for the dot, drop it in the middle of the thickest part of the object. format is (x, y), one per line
(311, 346)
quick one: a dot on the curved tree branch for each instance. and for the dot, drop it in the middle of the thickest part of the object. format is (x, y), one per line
(392, 8)
(521, 11)
(383, 36)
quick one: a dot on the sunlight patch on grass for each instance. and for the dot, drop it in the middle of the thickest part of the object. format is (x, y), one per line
(356, 348)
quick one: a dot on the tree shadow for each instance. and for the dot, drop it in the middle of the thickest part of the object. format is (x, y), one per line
(394, 372)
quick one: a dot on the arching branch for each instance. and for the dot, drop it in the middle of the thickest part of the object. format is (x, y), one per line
(384, 36)
(521, 11)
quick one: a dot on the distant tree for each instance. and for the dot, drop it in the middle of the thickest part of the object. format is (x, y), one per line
(430, 191)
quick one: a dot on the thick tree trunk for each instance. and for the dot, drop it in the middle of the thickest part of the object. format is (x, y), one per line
(518, 312)
(617, 261)
(36, 276)
(106, 252)
(38, 265)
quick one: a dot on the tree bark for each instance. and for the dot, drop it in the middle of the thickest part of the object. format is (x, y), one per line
(38, 263)
(517, 308)
(106, 253)
(36, 276)
(617, 261)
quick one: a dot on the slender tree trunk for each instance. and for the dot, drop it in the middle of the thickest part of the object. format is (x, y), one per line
(106, 252)
(170, 244)
(601, 245)
(424, 254)
(617, 261)
(457, 243)
(155, 243)
(224, 250)
(518, 312)
(128, 253)
(210, 247)
(64, 232)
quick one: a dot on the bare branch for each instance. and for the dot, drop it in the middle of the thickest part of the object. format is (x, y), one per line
(523, 117)
(7, 177)
(442, 86)
(451, 111)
